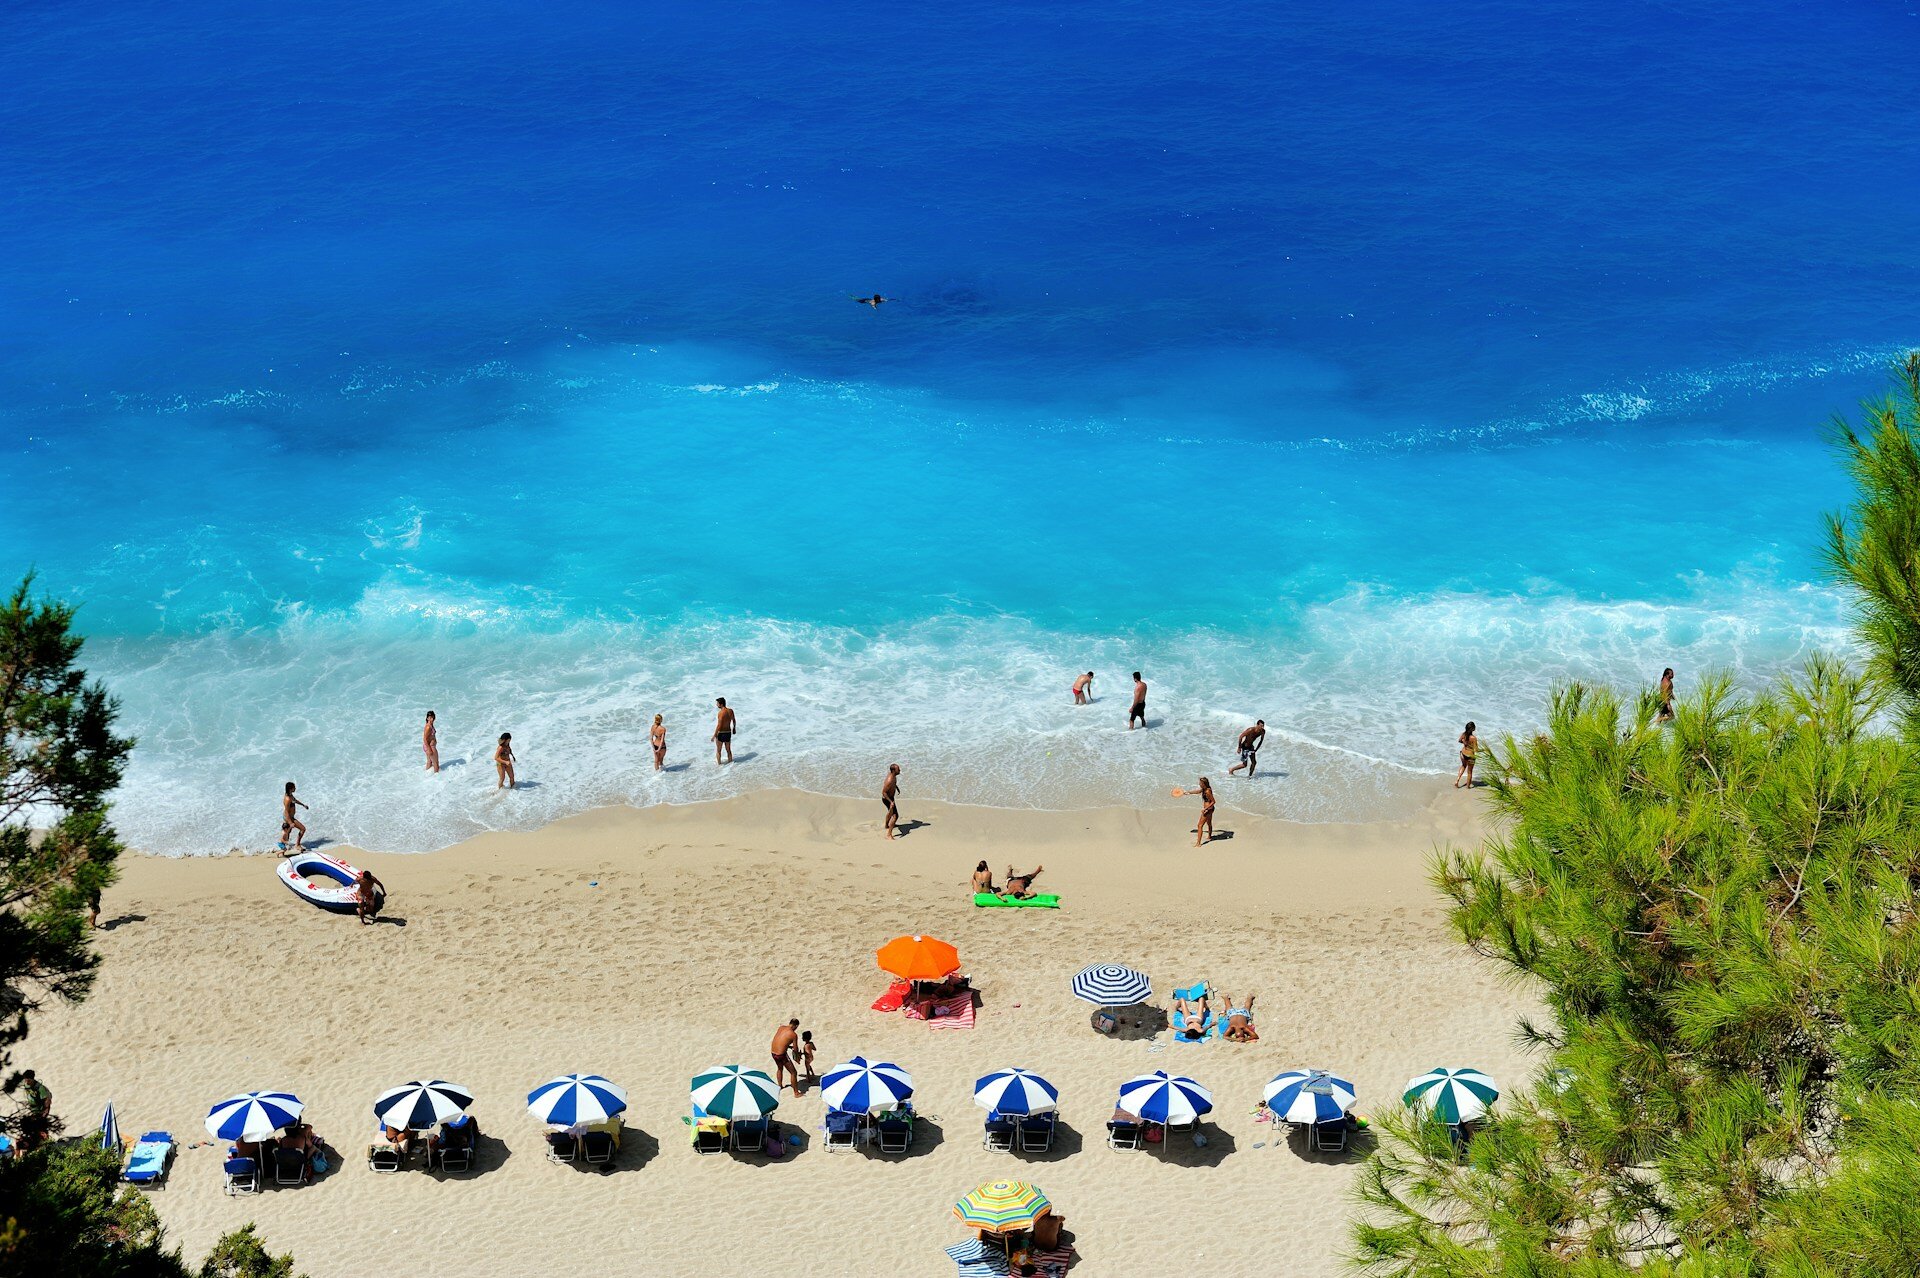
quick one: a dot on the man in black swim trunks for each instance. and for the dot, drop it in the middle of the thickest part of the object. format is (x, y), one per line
(1250, 747)
(723, 726)
(890, 799)
(1139, 710)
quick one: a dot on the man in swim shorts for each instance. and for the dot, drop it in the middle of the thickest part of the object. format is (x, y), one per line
(1250, 747)
(1020, 886)
(723, 728)
(890, 799)
(1139, 710)
(785, 1039)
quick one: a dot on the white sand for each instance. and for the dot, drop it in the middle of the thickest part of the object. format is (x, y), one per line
(709, 926)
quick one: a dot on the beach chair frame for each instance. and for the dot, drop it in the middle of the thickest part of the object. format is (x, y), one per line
(562, 1148)
(842, 1130)
(298, 1162)
(895, 1134)
(998, 1134)
(710, 1142)
(456, 1158)
(385, 1159)
(597, 1148)
(242, 1176)
(1035, 1132)
(158, 1180)
(1124, 1135)
(748, 1135)
(1329, 1138)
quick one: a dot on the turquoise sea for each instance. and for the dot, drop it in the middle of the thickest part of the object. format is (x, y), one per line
(1364, 369)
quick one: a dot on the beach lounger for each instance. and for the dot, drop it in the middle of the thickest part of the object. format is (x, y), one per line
(842, 1129)
(1329, 1138)
(382, 1157)
(1036, 1133)
(1123, 1135)
(562, 1147)
(149, 1160)
(596, 1148)
(243, 1176)
(289, 1167)
(456, 1158)
(749, 1135)
(998, 1134)
(709, 1136)
(896, 1132)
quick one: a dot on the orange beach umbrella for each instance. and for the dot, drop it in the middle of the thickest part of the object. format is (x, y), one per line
(918, 958)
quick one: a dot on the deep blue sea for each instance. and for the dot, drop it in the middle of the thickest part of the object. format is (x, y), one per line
(1363, 367)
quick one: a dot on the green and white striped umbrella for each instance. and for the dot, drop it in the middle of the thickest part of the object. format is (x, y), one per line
(1452, 1095)
(734, 1091)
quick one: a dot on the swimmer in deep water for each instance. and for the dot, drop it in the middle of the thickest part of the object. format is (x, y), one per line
(874, 301)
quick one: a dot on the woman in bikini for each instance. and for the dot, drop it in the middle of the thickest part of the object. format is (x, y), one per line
(890, 799)
(1193, 1017)
(1203, 830)
(1469, 751)
(290, 823)
(503, 762)
(430, 740)
(659, 737)
(983, 878)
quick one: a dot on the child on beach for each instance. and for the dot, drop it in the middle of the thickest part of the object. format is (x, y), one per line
(503, 762)
(806, 1053)
(289, 822)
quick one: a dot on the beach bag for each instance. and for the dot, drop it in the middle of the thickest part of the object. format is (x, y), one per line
(776, 1148)
(320, 1164)
(1104, 1023)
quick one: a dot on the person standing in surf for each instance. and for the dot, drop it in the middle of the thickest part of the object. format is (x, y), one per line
(659, 738)
(503, 762)
(1083, 689)
(1666, 696)
(890, 799)
(1250, 742)
(1139, 710)
(1469, 752)
(430, 741)
(724, 726)
(290, 826)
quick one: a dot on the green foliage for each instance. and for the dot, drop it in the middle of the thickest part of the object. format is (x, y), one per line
(67, 1217)
(1719, 914)
(59, 762)
(1875, 547)
(241, 1254)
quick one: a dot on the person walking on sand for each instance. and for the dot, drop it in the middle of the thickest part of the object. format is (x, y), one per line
(36, 1125)
(1139, 710)
(1203, 831)
(1469, 751)
(1666, 696)
(1250, 748)
(890, 799)
(430, 741)
(290, 826)
(503, 762)
(785, 1053)
(368, 894)
(659, 738)
(724, 726)
(1083, 689)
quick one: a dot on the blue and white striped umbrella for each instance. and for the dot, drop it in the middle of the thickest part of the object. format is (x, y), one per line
(1111, 985)
(862, 1086)
(1016, 1091)
(1161, 1097)
(575, 1098)
(109, 1129)
(416, 1106)
(1308, 1096)
(253, 1116)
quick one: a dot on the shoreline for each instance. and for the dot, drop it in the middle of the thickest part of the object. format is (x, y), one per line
(649, 944)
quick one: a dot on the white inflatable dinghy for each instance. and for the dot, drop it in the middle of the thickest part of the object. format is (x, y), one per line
(325, 881)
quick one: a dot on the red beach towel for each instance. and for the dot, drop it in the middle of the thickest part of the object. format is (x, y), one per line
(890, 1001)
(955, 1013)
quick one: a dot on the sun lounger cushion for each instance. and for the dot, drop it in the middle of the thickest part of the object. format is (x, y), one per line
(1038, 901)
(148, 1160)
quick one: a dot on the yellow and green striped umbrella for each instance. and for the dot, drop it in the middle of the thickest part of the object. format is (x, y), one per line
(1002, 1206)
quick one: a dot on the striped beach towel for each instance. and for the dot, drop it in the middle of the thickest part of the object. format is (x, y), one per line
(1054, 1262)
(977, 1260)
(955, 1013)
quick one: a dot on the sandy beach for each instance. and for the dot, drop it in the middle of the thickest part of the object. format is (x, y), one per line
(646, 945)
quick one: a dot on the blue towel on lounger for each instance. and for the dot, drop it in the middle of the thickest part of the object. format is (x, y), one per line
(148, 1161)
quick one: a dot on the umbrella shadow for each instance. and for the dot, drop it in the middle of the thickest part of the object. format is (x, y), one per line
(1132, 1024)
(785, 1131)
(489, 1154)
(1067, 1141)
(1360, 1146)
(1177, 1147)
(927, 1137)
